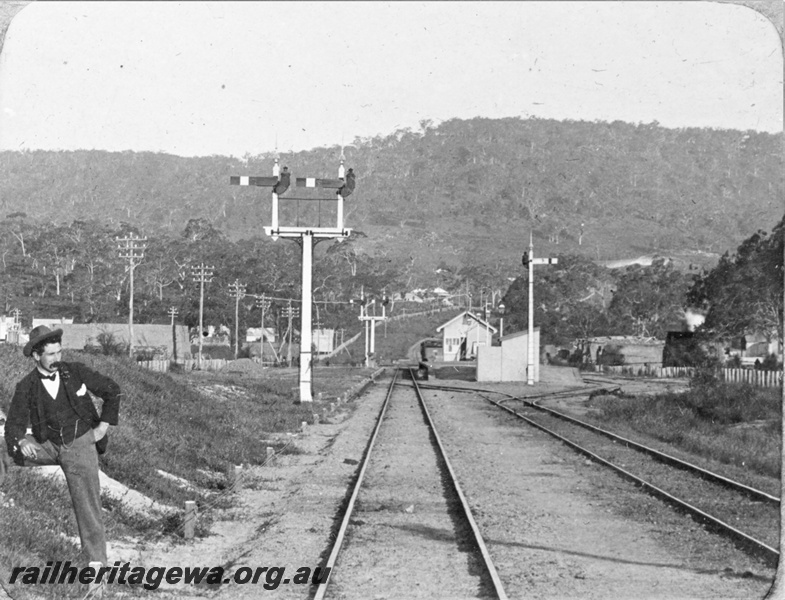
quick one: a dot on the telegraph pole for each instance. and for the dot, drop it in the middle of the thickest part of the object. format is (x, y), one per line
(291, 312)
(307, 236)
(528, 259)
(263, 304)
(172, 312)
(203, 274)
(238, 289)
(132, 248)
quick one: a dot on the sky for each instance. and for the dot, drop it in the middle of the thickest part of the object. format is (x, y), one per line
(238, 78)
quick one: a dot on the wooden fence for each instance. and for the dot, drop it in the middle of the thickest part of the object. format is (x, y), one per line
(750, 376)
(163, 366)
(753, 377)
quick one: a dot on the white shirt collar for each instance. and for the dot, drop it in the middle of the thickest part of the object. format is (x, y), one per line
(51, 386)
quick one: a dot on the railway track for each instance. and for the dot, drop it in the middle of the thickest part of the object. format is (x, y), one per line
(405, 504)
(748, 515)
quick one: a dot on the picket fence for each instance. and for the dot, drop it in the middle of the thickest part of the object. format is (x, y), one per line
(163, 366)
(750, 376)
(753, 377)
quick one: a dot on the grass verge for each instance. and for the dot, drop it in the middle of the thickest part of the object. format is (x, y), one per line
(734, 424)
(193, 426)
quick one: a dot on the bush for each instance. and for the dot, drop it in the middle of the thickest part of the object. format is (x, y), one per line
(213, 351)
(770, 363)
(110, 346)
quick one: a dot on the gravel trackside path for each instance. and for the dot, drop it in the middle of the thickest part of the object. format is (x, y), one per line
(553, 526)
(284, 515)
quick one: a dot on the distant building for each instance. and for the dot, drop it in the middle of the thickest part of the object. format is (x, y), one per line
(463, 335)
(324, 341)
(51, 323)
(6, 325)
(254, 334)
(212, 336)
(623, 349)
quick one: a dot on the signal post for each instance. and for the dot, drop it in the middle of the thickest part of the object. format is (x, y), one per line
(370, 320)
(307, 236)
(530, 261)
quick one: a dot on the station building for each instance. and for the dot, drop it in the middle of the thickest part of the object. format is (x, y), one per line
(463, 335)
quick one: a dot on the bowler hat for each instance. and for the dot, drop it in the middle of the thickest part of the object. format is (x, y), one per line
(39, 334)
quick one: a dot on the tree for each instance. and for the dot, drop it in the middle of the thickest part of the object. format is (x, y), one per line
(744, 293)
(648, 299)
(569, 300)
(98, 270)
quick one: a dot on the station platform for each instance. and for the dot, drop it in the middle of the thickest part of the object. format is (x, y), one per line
(467, 370)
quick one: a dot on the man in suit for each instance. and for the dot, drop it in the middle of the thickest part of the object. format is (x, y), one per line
(67, 430)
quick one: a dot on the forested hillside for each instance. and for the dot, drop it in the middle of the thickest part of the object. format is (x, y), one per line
(449, 206)
(465, 192)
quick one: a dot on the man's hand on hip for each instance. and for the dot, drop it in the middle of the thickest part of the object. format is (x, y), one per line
(100, 431)
(28, 449)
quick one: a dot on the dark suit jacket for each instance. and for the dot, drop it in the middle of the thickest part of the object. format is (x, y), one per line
(27, 406)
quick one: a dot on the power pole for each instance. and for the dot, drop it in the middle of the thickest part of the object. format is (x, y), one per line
(530, 261)
(238, 289)
(290, 313)
(264, 305)
(172, 312)
(203, 274)
(132, 248)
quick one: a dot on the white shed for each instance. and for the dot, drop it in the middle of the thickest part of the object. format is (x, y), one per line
(509, 362)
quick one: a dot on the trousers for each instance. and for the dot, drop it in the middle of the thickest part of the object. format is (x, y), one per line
(79, 462)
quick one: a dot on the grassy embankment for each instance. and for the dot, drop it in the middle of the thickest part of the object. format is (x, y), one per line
(167, 424)
(737, 425)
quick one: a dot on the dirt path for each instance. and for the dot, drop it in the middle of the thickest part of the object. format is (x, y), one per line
(283, 516)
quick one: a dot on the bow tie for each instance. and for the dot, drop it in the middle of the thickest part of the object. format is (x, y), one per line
(49, 377)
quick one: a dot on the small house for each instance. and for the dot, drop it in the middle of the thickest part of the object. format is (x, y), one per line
(323, 341)
(254, 334)
(463, 335)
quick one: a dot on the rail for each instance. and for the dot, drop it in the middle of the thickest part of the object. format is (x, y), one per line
(768, 552)
(340, 536)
